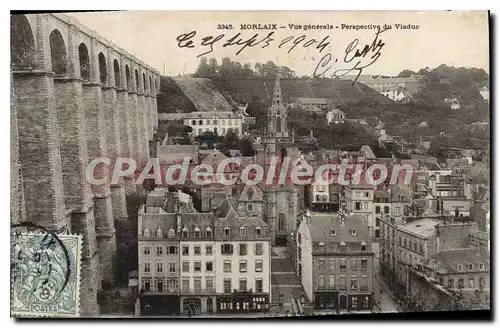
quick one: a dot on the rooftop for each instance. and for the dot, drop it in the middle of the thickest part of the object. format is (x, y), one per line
(422, 227)
(322, 225)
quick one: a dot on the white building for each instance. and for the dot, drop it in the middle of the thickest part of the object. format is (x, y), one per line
(216, 122)
(359, 200)
(243, 261)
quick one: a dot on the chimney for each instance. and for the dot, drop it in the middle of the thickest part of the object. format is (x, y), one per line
(178, 216)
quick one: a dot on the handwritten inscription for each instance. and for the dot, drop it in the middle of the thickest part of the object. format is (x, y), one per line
(356, 57)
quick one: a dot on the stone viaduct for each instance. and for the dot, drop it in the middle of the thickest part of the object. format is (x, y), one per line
(75, 97)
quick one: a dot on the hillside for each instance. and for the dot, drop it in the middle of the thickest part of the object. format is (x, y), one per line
(203, 94)
(172, 99)
(251, 89)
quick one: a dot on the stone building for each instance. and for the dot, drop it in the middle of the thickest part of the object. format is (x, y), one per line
(335, 261)
(242, 261)
(217, 122)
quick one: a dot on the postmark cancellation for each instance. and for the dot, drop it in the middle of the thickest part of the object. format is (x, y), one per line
(45, 274)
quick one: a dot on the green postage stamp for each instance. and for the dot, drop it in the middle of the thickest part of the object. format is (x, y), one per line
(45, 275)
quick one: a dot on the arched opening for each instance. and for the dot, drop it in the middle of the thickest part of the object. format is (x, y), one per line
(144, 82)
(103, 69)
(137, 80)
(83, 53)
(116, 68)
(58, 53)
(156, 89)
(22, 43)
(150, 85)
(127, 76)
(278, 124)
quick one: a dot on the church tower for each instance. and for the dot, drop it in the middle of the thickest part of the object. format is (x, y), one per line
(277, 113)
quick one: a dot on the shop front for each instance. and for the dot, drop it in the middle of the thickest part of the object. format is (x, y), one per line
(326, 300)
(361, 302)
(242, 303)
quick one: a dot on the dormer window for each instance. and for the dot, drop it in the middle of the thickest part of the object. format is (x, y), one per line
(242, 231)
(159, 233)
(185, 232)
(342, 221)
(171, 233)
(333, 232)
(363, 247)
(197, 233)
(353, 232)
(227, 232)
(257, 232)
(343, 247)
(481, 266)
(146, 233)
(321, 246)
(470, 266)
(401, 198)
(460, 267)
(209, 232)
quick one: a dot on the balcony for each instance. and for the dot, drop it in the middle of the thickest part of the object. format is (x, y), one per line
(198, 291)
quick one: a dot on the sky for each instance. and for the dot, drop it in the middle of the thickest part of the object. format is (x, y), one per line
(443, 37)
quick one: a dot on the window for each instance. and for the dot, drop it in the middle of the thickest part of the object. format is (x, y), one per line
(367, 194)
(343, 247)
(159, 233)
(481, 282)
(249, 207)
(342, 283)
(364, 283)
(209, 284)
(227, 266)
(159, 267)
(377, 209)
(258, 285)
(159, 284)
(460, 267)
(421, 248)
(333, 232)
(214, 122)
(227, 285)
(197, 285)
(243, 266)
(364, 264)
(209, 266)
(481, 266)
(185, 233)
(331, 281)
(321, 282)
(470, 266)
(171, 266)
(226, 249)
(242, 232)
(409, 244)
(257, 232)
(197, 250)
(172, 250)
(353, 232)
(354, 283)
(159, 250)
(363, 247)
(358, 206)
(171, 233)
(147, 267)
(193, 122)
(258, 265)
(342, 264)
(386, 209)
(197, 234)
(197, 266)
(404, 242)
(243, 285)
(227, 232)
(208, 250)
(332, 264)
(471, 282)
(354, 264)
(200, 122)
(209, 233)
(461, 283)
(377, 222)
(321, 264)
(185, 285)
(146, 285)
(146, 250)
(259, 249)
(399, 241)
(243, 249)
(146, 233)
(185, 266)
(185, 250)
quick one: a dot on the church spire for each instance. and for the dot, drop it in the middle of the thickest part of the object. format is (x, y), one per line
(277, 98)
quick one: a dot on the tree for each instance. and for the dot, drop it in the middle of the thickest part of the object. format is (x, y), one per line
(208, 138)
(406, 73)
(246, 147)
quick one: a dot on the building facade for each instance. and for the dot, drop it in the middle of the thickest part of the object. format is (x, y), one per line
(219, 123)
(335, 262)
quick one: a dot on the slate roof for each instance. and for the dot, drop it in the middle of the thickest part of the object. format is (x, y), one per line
(423, 227)
(447, 260)
(322, 224)
(367, 152)
(397, 191)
